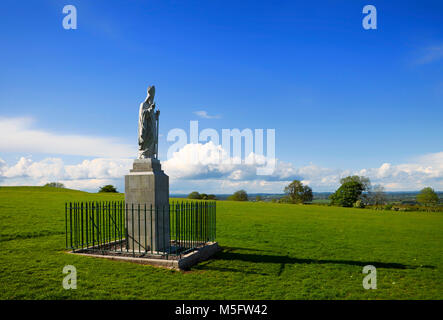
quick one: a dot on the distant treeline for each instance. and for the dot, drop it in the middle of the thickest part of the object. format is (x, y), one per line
(403, 197)
(391, 196)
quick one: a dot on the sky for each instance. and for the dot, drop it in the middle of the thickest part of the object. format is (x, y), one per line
(342, 100)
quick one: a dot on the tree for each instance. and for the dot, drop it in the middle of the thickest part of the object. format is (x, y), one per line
(203, 196)
(427, 197)
(364, 181)
(350, 191)
(258, 198)
(54, 185)
(298, 193)
(365, 184)
(239, 195)
(359, 204)
(194, 195)
(108, 188)
(212, 197)
(285, 199)
(378, 196)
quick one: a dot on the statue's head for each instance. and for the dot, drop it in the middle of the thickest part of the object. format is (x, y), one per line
(151, 91)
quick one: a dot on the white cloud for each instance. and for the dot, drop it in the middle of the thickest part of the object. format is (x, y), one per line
(205, 172)
(185, 165)
(87, 175)
(50, 168)
(17, 135)
(204, 114)
(3, 167)
(210, 161)
(99, 169)
(431, 54)
(426, 170)
(91, 184)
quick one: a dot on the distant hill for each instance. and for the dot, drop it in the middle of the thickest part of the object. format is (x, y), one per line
(406, 197)
(36, 189)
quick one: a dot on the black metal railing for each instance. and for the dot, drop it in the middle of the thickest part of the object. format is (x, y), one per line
(139, 230)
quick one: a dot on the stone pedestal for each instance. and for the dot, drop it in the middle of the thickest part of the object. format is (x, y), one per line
(147, 184)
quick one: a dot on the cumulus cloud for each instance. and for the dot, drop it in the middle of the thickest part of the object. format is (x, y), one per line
(204, 114)
(18, 135)
(196, 162)
(92, 184)
(426, 170)
(99, 169)
(211, 161)
(87, 175)
(207, 167)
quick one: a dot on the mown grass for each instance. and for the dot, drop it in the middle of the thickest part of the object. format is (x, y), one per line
(271, 251)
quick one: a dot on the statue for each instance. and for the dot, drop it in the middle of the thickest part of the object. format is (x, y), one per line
(148, 127)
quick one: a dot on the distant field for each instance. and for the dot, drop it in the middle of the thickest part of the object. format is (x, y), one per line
(271, 251)
(321, 201)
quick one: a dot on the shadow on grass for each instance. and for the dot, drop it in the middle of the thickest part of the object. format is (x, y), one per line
(228, 255)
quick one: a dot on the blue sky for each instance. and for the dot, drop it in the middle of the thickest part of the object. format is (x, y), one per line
(341, 99)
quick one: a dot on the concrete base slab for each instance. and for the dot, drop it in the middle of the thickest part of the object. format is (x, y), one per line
(178, 263)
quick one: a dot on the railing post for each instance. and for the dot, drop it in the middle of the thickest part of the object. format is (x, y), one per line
(102, 225)
(157, 239)
(190, 225)
(66, 225)
(75, 226)
(176, 228)
(114, 213)
(97, 224)
(70, 219)
(207, 222)
(215, 222)
(126, 228)
(121, 223)
(93, 225)
(138, 216)
(105, 224)
(146, 236)
(164, 231)
(150, 225)
(188, 233)
(180, 234)
(110, 219)
(194, 224)
(81, 225)
(132, 220)
(87, 224)
(108, 224)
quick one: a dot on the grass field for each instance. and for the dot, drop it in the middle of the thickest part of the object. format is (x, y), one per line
(271, 251)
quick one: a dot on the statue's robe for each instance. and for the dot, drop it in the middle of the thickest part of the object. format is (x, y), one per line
(146, 131)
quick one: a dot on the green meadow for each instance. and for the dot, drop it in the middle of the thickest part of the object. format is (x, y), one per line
(270, 251)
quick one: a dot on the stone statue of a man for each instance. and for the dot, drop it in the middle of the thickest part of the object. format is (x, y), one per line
(148, 127)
